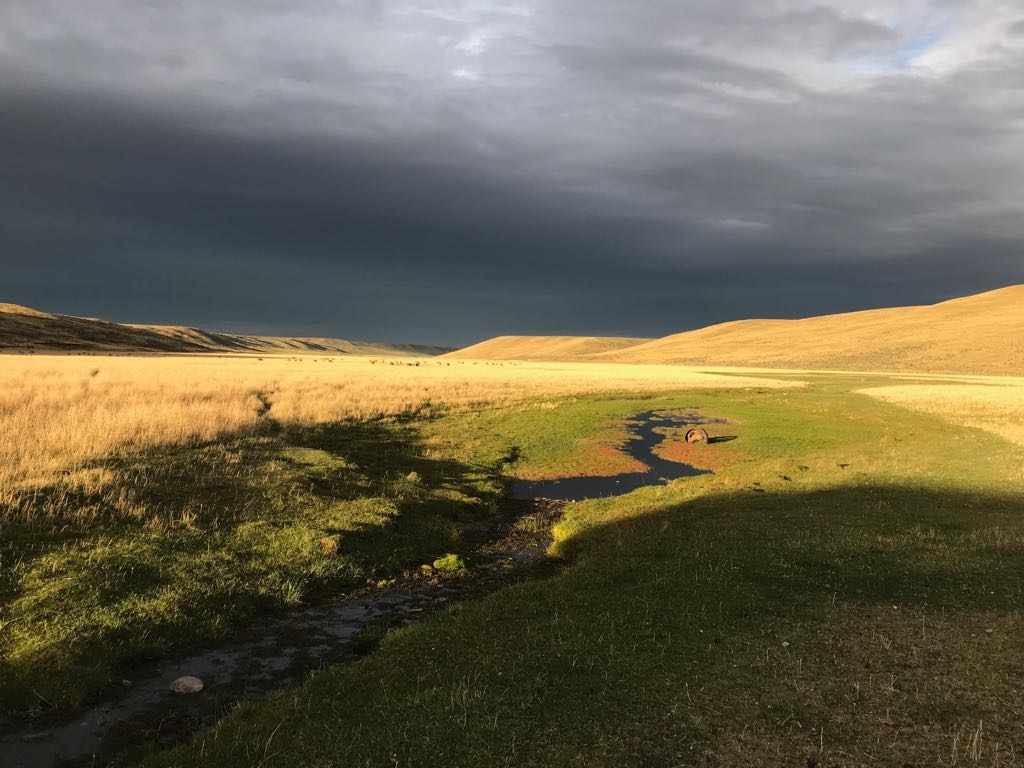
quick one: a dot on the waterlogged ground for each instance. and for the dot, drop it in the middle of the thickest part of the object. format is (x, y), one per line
(651, 451)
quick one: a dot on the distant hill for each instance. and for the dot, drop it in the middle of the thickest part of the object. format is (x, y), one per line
(24, 329)
(543, 347)
(982, 334)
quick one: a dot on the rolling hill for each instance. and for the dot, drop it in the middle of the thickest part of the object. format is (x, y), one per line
(24, 329)
(981, 334)
(544, 347)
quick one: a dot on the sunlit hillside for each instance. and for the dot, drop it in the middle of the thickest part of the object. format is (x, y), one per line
(982, 334)
(544, 347)
(25, 329)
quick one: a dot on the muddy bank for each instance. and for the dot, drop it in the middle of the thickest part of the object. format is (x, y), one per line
(644, 438)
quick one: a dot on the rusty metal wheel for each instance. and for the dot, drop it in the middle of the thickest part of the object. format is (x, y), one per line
(696, 435)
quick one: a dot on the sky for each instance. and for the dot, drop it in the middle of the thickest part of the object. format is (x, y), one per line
(443, 172)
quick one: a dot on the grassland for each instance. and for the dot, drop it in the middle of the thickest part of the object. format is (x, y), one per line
(151, 503)
(59, 413)
(995, 406)
(982, 334)
(174, 546)
(846, 590)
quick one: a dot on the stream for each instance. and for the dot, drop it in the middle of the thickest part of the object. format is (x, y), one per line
(267, 656)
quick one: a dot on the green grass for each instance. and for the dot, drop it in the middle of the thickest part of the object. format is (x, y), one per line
(548, 439)
(846, 589)
(187, 542)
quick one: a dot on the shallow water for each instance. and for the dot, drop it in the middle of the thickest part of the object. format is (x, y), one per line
(644, 438)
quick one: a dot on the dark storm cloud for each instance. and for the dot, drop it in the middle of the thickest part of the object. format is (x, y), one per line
(449, 171)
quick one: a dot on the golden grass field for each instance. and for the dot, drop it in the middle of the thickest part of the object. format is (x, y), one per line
(996, 406)
(59, 412)
(982, 334)
(544, 347)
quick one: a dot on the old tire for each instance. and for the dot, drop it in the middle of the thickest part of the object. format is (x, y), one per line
(696, 435)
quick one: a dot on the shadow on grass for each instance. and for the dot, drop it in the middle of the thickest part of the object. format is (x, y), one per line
(870, 613)
(857, 625)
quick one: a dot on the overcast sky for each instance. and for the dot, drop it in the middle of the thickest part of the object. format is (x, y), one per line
(448, 171)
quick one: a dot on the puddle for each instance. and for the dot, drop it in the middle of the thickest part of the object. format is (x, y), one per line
(644, 439)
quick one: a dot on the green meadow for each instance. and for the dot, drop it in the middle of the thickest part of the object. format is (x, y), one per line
(845, 590)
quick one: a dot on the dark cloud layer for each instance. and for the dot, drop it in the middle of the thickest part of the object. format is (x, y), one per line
(442, 172)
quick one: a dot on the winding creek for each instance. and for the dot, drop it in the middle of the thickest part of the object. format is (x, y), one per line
(267, 656)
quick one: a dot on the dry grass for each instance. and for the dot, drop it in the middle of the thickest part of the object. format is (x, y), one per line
(543, 347)
(59, 412)
(22, 328)
(981, 334)
(997, 408)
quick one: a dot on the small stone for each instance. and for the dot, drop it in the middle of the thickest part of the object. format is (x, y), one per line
(186, 685)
